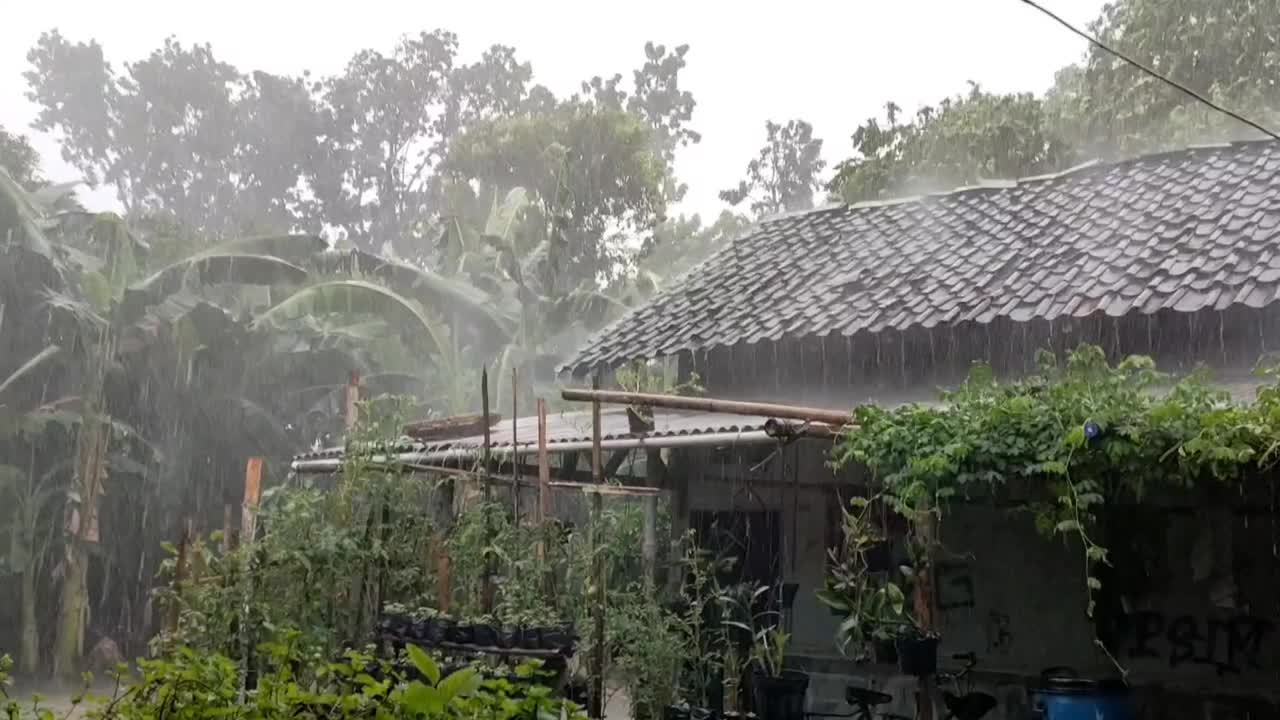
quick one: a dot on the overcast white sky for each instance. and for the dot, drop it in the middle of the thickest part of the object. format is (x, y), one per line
(832, 62)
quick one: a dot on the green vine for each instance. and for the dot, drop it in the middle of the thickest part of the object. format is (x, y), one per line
(1075, 436)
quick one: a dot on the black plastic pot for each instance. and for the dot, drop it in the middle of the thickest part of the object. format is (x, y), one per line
(485, 635)
(438, 630)
(394, 626)
(675, 712)
(884, 652)
(917, 656)
(509, 637)
(687, 712)
(556, 638)
(461, 634)
(417, 631)
(780, 698)
(529, 638)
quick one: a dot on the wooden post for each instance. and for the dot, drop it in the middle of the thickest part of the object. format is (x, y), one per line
(252, 492)
(926, 531)
(486, 587)
(353, 397)
(515, 458)
(649, 545)
(544, 465)
(544, 480)
(248, 532)
(484, 408)
(180, 570)
(598, 568)
(227, 532)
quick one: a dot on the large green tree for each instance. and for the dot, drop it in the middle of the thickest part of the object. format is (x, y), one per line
(1100, 107)
(20, 159)
(189, 140)
(785, 174)
(964, 139)
(1223, 49)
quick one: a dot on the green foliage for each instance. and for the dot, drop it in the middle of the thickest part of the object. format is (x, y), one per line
(785, 174)
(1080, 432)
(873, 605)
(1102, 107)
(193, 684)
(319, 567)
(964, 140)
(19, 159)
(654, 377)
(1220, 49)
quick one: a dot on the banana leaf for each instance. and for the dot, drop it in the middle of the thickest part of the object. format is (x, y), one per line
(357, 297)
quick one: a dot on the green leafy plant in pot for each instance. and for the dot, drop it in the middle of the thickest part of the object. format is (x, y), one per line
(778, 692)
(873, 603)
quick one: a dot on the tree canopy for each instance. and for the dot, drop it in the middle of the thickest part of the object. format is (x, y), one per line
(1101, 107)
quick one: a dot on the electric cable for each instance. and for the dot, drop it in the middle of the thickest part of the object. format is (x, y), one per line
(1152, 72)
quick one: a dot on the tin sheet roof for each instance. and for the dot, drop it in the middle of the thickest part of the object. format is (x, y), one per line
(566, 427)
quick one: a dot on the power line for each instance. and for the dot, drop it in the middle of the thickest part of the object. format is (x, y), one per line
(1148, 70)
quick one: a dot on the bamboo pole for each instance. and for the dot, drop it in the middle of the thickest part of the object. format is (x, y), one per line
(926, 531)
(484, 406)
(544, 481)
(735, 407)
(486, 587)
(544, 465)
(180, 571)
(352, 398)
(515, 461)
(252, 492)
(598, 569)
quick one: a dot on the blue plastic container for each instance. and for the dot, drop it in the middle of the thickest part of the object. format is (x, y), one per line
(1071, 698)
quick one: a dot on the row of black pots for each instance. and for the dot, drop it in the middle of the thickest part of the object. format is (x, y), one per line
(436, 631)
(774, 698)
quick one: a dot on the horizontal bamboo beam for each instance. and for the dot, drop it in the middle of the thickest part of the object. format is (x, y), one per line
(704, 404)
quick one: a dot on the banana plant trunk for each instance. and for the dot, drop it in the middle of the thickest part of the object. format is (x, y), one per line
(73, 610)
(29, 640)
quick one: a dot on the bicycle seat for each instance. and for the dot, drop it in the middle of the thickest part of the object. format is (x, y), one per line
(863, 697)
(969, 706)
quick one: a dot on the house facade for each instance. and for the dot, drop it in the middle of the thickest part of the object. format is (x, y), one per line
(1175, 255)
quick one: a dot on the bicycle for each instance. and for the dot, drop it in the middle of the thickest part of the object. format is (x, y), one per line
(965, 704)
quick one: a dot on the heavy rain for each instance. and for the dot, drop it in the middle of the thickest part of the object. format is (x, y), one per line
(686, 361)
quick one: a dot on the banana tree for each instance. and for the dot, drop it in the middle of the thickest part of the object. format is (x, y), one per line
(26, 500)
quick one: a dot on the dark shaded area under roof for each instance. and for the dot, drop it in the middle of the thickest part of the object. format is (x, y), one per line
(1186, 231)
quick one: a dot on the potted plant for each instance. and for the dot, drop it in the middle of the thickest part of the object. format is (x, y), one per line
(872, 603)
(485, 631)
(779, 692)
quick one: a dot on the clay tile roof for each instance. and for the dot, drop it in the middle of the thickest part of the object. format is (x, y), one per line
(1184, 230)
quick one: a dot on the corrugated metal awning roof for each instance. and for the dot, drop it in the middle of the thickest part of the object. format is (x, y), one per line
(564, 428)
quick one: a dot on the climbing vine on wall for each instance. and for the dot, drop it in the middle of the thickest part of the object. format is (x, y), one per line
(1080, 431)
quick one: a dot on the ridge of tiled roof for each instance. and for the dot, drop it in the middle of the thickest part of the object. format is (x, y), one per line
(1186, 230)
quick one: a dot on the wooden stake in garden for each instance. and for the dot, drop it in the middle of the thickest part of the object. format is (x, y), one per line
(486, 587)
(515, 459)
(597, 559)
(352, 398)
(544, 480)
(923, 601)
